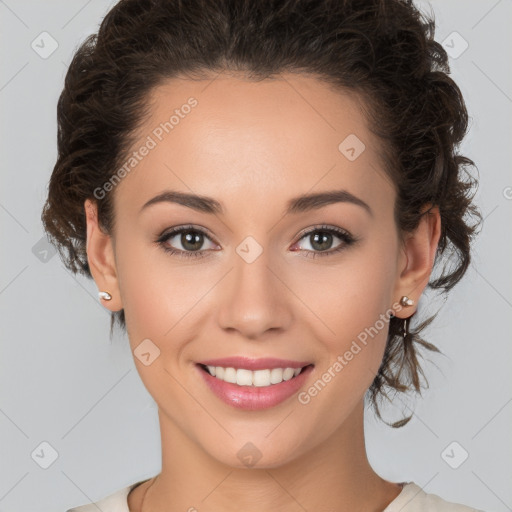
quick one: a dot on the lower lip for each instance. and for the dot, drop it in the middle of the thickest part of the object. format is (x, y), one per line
(253, 397)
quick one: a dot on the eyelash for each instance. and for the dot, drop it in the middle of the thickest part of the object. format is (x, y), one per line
(347, 238)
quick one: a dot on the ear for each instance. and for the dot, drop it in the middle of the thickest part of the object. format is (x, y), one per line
(418, 253)
(100, 256)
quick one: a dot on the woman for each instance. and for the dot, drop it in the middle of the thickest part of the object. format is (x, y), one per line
(260, 191)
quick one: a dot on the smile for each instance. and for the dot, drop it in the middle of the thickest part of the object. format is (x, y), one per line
(254, 389)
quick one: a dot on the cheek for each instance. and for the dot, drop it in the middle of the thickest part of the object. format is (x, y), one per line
(149, 301)
(372, 278)
(356, 308)
(352, 296)
(354, 301)
(160, 296)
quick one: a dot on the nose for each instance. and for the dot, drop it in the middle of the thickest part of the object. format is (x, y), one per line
(254, 298)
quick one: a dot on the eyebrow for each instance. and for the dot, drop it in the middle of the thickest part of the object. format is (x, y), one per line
(300, 204)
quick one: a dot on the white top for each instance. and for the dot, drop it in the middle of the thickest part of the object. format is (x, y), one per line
(411, 499)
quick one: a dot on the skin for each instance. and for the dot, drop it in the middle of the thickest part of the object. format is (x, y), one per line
(248, 145)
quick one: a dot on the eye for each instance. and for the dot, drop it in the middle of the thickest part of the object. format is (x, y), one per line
(321, 239)
(191, 240)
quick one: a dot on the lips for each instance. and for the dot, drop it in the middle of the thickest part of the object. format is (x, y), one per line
(253, 397)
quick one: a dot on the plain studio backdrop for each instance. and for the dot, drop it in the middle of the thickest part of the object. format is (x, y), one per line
(69, 393)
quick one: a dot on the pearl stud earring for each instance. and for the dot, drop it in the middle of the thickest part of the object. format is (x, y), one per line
(104, 295)
(405, 301)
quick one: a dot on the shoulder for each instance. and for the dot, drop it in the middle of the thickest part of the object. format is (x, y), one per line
(414, 499)
(115, 502)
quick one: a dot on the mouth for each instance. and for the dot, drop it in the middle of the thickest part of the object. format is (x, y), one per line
(254, 390)
(265, 377)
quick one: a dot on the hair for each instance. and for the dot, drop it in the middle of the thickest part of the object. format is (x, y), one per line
(380, 50)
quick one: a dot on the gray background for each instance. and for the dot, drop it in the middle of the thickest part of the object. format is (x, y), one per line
(63, 383)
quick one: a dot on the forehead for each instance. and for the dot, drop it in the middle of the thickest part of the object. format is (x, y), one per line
(228, 137)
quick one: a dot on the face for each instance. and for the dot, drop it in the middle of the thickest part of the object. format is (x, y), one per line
(256, 278)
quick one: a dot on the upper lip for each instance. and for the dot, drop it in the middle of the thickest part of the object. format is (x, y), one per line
(254, 364)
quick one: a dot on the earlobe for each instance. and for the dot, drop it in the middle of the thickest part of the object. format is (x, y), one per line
(100, 256)
(420, 250)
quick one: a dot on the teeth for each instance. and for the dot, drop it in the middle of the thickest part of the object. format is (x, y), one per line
(243, 377)
(258, 378)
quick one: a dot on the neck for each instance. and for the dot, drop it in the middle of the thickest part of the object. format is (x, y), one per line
(335, 475)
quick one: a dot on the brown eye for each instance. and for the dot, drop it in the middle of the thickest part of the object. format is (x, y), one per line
(321, 240)
(189, 238)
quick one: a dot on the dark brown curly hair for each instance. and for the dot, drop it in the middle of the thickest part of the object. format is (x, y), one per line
(382, 50)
